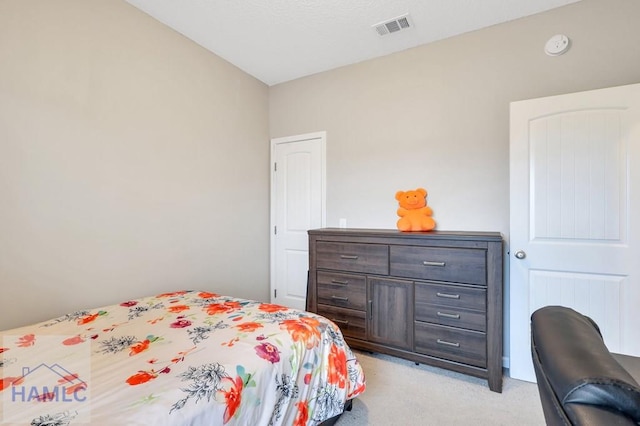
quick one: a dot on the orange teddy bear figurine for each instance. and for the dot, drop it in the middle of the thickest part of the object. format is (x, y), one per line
(414, 213)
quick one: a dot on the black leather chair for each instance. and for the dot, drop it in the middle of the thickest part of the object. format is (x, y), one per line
(579, 381)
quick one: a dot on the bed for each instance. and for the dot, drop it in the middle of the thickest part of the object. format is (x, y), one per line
(180, 358)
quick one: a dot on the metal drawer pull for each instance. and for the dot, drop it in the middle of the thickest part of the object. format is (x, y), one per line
(447, 315)
(427, 263)
(348, 256)
(340, 298)
(448, 296)
(444, 342)
(341, 322)
(345, 282)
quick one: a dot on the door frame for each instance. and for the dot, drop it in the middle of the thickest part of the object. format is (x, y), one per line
(321, 137)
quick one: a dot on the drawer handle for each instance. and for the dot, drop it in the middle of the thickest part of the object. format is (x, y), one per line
(444, 342)
(348, 256)
(428, 263)
(341, 322)
(448, 296)
(341, 282)
(340, 298)
(447, 315)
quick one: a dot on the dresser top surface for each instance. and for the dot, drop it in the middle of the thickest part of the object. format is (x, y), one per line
(444, 235)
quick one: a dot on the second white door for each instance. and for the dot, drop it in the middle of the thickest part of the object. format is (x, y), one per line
(575, 176)
(298, 204)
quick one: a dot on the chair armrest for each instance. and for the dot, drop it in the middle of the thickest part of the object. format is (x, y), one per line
(578, 365)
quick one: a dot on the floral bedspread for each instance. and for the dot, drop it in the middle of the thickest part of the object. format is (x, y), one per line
(182, 358)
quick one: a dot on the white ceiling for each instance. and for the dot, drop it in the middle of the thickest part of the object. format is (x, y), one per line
(281, 40)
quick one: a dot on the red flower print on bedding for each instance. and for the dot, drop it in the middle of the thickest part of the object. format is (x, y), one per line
(172, 294)
(231, 342)
(303, 414)
(143, 345)
(223, 308)
(212, 382)
(176, 309)
(90, 318)
(357, 391)
(129, 303)
(181, 323)
(113, 327)
(75, 340)
(26, 341)
(303, 329)
(249, 326)
(272, 308)
(144, 376)
(140, 347)
(8, 381)
(69, 379)
(269, 352)
(232, 396)
(207, 295)
(141, 377)
(182, 355)
(337, 367)
(44, 397)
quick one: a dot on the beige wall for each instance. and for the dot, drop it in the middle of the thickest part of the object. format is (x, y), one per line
(437, 115)
(132, 161)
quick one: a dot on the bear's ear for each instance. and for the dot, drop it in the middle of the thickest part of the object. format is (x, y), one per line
(399, 195)
(422, 191)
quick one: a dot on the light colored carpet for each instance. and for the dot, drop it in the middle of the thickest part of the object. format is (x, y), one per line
(401, 393)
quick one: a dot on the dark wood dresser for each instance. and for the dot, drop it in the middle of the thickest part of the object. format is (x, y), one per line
(430, 297)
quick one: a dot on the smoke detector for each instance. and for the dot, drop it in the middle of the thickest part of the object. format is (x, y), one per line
(557, 45)
(393, 25)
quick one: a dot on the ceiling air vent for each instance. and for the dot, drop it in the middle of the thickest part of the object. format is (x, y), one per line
(393, 25)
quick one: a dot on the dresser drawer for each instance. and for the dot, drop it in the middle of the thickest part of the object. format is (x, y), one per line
(465, 346)
(443, 315)
(453, 296)
(462, 265)
(351, 323)
(344, 290)
(369, 258)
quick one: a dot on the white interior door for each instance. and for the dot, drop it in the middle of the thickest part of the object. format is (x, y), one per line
(575, 173)
(297, 205)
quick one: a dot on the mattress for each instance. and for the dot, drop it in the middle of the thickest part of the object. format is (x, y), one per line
(180, 358)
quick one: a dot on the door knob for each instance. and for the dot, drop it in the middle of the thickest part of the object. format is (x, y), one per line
(520, 254)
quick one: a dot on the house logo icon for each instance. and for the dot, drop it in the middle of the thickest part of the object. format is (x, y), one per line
(46, 378)
(48, 383)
